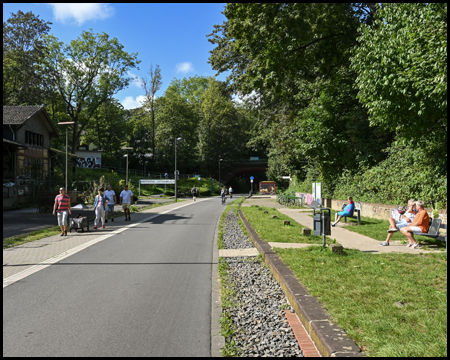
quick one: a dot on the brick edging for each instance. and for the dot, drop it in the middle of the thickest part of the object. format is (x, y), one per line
(330, 339)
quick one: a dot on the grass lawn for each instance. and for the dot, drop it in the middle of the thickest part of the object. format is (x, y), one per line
(389, 304)
(274, 230)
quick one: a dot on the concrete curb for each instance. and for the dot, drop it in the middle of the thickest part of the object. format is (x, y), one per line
(330, 339)
(217, 340)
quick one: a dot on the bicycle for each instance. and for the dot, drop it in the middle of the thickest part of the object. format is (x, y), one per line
(224, 198)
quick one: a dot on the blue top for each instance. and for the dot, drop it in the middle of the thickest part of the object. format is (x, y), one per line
(350, 207)
(104, 199)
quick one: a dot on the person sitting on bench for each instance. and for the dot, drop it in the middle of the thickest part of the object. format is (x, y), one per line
(405, 220)
(348, 210)
(418, 226)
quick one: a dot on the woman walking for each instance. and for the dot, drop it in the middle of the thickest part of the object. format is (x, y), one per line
(100, 203)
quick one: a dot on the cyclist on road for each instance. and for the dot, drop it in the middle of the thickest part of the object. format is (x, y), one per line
(223, 192)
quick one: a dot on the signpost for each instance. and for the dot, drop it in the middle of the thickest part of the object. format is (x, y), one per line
(317, 191)
(251, 184)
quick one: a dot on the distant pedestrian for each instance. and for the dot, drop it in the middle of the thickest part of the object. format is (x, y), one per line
(194, 193)
(62, 207)
(100, 203)
(112, 200)
(126, 200)
(230, 191)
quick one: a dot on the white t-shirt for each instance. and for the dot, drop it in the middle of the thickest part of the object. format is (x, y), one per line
(110, 195)
(410, 216)
(230, 189)
(126, 196)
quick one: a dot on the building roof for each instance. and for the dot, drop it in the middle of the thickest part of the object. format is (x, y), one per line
(18, 115)
(14, 143)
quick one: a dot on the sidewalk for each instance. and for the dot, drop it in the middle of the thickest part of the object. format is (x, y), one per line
(26, 220)
(22, 257)
(348, 239)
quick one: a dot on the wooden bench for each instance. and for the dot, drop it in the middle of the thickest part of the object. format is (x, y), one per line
(352, 215)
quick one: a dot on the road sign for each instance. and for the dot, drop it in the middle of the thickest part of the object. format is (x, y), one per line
(154, 182)
(251, 178)
(286, 177)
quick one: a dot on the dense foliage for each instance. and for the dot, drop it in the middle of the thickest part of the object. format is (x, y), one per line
(351, 94)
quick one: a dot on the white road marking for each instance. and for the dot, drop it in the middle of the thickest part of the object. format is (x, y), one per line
(54, 259)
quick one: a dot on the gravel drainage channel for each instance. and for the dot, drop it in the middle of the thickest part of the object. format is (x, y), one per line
(258, 320)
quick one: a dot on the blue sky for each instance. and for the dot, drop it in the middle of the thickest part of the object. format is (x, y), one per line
(172, 36)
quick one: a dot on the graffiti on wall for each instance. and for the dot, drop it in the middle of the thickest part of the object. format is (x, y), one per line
(90, 162)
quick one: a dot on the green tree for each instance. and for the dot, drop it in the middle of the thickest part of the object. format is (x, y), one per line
(401, 63)
(23, 50)
(86, 73)
(151, 87)
(175, 118)
(108, 129)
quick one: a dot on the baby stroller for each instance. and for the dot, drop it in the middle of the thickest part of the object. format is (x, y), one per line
(80, 221)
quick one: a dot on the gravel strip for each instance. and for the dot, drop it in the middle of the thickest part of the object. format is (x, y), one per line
(233, 237)
(261, 327)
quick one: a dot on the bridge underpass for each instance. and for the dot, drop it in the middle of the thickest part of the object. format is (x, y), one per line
(238, 175)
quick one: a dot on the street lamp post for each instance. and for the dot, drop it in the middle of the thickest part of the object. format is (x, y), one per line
(175, 173)
(126, 176)
(219, 173)
(67, 129)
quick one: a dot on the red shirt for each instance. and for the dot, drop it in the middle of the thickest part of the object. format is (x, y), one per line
(63, 202)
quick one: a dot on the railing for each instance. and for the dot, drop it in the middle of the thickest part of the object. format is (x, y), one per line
(146, 174)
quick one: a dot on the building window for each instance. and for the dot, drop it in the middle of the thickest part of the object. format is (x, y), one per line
(32, 138)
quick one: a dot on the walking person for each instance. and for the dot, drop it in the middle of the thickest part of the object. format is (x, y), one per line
(126, 200)
(62, 207)
(230, 191)
(194, 193)
(112, 200)
(100, 203)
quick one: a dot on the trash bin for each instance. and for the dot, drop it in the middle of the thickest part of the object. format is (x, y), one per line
(322, 221)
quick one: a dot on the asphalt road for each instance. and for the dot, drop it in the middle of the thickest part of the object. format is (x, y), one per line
(143, 292)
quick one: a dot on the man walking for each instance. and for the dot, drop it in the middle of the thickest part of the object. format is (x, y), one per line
(62, 206)
(194, 193)
(112, 200)
(126, 200)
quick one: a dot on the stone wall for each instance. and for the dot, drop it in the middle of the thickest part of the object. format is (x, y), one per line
(381, 211)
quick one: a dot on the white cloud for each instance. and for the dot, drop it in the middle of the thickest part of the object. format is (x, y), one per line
(130, 103)
(184, 67)
(81, 12)
(136, 80)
